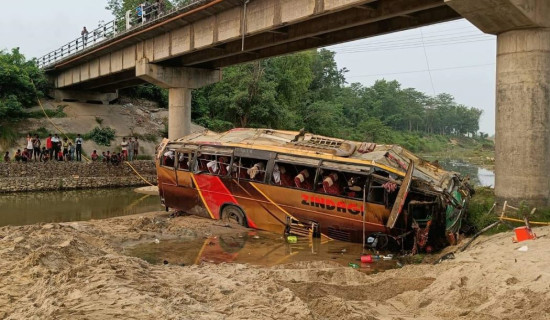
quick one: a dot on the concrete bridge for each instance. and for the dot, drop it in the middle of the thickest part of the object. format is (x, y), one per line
(186, 49)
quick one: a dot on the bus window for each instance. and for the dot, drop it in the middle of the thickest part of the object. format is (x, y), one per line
(184, 161)
(214, 164)
(168, 158)
(281, 176)
(293, 175)
(331, 182)
(249, 169)
(376, 193)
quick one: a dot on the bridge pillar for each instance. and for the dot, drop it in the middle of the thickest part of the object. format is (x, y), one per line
(522, 147)
(180, 82)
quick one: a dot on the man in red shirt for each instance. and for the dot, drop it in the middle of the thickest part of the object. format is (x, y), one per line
(49, 145)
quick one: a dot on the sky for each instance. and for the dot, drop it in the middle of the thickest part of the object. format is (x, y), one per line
(453, 57)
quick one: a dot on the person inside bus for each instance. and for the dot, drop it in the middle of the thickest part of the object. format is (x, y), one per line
(303, 180)
(183, 161)
(237, 170)
(257, 172)
(331, 184)
(223, 163)
(168, 158)
(281, 177)
(355, 186)
(212, 166)
(203, 160)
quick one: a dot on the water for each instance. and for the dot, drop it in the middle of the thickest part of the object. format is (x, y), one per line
(63, 206)
(479, 176)
(253, 247)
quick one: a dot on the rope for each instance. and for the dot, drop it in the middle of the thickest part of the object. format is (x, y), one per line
(531, 222)
(137, 173)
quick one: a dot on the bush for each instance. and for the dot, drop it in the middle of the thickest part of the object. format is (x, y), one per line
(101, 136)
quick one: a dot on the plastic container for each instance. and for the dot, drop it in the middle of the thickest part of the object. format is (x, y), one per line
(367, 258)
(353, 265)
(291, 239)
(524, 233)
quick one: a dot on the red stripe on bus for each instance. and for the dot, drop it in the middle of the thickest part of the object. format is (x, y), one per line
(214, 192)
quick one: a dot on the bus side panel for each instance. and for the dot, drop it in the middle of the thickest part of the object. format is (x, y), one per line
(259, 210)
(328, 211)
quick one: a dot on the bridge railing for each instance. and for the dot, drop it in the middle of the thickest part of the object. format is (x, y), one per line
(142, 15)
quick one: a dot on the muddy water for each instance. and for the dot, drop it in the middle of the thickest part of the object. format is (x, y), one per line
(256, 248)
(63, 206)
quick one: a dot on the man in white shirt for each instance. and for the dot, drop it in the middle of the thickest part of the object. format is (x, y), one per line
(78, 141)
(124, 146)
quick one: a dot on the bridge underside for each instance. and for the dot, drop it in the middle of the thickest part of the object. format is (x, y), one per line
(211, 38)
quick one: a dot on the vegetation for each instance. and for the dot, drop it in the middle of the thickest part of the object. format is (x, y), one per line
(17, 76)
(119, 7)
(101, 136)
(57, 113)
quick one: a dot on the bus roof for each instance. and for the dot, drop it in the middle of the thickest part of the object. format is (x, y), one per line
(392, 158)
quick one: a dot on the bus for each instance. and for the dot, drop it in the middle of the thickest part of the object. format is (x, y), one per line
(310, 185)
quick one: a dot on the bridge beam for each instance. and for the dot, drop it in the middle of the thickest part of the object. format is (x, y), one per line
(180, 82)
(522, 144)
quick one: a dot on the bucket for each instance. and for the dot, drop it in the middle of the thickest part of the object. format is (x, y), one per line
(524, 233)
(367, 258)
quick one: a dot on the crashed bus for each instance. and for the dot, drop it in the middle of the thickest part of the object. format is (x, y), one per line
(310, 185)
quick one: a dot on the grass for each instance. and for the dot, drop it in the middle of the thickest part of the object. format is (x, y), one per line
(8, 137)
(57, 113)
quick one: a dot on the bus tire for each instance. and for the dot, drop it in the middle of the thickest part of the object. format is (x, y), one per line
(233, 215)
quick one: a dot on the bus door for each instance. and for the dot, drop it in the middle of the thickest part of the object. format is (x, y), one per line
(188, 197)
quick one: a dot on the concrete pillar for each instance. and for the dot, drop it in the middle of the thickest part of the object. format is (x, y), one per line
(179, 112)
(522, 147)
(179, 81)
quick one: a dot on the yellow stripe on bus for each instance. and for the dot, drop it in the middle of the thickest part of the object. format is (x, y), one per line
(280, 208)
(202, 198)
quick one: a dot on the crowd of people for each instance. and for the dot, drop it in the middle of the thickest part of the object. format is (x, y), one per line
(62, 149)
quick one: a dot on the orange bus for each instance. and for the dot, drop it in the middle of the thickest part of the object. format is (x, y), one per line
(305, 184)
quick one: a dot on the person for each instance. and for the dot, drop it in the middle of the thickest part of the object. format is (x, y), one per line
(36, 147)
(147, 10)
(56, 146)
(94, 156)
(84, 33)
(17, 156)
(71, 151)
(45, 155)
(59, 156)
(25, 156)
(115, 159)
(160, 7)
(136, 148)
(49, 146)
(130, 149)
(78, 141)
(7, 156)
(65, 147)
(30, 146)
(124, 145)
(103, 157)
(108, 156)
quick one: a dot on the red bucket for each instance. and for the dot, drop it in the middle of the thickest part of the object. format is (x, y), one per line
(524, 233)
(366, 258)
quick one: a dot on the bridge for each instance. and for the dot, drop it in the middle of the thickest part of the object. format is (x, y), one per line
(186, 48)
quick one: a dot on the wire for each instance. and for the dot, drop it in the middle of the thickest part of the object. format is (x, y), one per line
(424, 70)
(427, 62)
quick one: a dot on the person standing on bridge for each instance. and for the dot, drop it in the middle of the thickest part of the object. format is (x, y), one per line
(84, 34)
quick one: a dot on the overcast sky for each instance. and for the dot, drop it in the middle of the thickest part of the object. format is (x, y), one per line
(460, 58)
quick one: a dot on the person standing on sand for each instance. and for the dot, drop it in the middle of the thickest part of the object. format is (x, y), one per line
(124, 145)
(65, 147)
(78, 141)
(130, 149)
(56, 146)
(71, 151)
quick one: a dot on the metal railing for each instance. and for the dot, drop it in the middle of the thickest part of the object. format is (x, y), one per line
(142, 15)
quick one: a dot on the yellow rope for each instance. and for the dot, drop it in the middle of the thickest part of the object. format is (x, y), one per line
(137, 173)
(522, 221)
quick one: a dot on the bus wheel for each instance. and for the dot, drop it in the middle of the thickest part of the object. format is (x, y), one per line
(232, 215)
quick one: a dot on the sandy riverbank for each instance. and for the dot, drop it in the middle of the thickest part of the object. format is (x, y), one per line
(78, 271)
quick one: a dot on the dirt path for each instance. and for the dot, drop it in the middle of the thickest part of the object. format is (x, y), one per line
(78, 271)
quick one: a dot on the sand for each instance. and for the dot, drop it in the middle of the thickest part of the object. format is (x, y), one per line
(79, 271)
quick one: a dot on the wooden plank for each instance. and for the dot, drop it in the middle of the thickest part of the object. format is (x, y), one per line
(401, 197)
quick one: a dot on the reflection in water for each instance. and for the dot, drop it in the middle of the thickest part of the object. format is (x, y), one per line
(76, 205)
(253, 247)
(479, 176)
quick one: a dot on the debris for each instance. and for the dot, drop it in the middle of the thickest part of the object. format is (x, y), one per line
(157, 241)
(291, 239)
(523, 249)
(523, 233)
(399, 264)
(256, 237)
(353, 265)
(448, 256)
(388, 257)
(367, 258)
(494, 224)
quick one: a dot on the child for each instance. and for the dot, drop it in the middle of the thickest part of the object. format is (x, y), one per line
(7, 157)
(95, 155)
(18, 155)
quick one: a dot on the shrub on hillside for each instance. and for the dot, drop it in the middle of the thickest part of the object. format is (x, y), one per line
(101, 136)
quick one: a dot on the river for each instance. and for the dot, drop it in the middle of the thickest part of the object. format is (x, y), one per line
(479, 176)
(76, 205)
